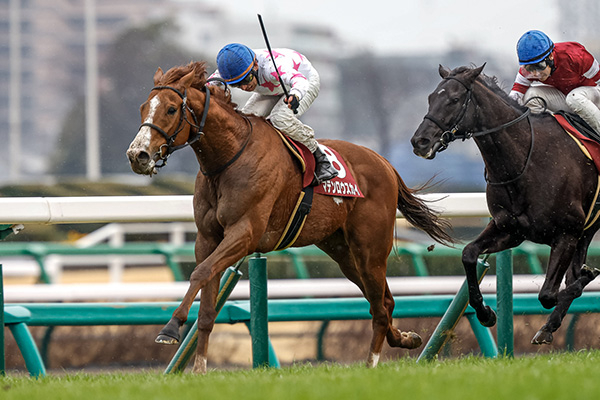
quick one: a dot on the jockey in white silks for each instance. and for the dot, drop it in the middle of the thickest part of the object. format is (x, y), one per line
(253, 71)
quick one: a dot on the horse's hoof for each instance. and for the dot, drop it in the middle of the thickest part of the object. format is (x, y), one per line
(164, 339)
(542, 337)
(487, 318)
(410, 340)
(169, 334)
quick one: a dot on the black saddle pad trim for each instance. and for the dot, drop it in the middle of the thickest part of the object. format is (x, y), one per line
(578, 123)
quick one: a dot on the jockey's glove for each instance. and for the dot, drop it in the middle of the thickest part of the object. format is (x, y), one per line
(293, 102)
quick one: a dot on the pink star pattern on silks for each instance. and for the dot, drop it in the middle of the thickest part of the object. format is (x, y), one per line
(296, 65)
(281, 72)
(276, 54)
(270, 85)
(298, 76)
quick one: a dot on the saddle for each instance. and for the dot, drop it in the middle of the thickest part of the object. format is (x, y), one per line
(342, 186)
(579, 124)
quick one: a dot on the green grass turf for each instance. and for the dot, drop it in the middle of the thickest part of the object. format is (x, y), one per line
(551, 376)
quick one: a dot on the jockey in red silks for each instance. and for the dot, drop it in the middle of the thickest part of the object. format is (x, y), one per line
(253, 71)
(570, 75)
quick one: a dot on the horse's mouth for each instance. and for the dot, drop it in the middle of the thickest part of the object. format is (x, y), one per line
(149, 170)
(144, 168)
(431, 153)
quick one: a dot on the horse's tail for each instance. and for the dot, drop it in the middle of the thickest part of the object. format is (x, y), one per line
(417, 212)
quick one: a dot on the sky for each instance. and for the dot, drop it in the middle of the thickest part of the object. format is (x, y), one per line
(401, 27)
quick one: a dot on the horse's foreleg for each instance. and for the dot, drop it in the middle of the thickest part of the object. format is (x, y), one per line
(565, 299)
(236, 244)
(491, 240)
(201, 275)
(206, 322)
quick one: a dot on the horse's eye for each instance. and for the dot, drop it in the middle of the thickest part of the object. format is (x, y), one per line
(454, 100)
(171, 110)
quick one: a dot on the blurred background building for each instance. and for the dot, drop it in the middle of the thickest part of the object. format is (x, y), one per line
(366, 97)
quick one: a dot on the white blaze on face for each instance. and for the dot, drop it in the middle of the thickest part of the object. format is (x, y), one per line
(142, 139)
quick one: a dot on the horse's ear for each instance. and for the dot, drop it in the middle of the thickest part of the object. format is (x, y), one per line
(474, 73)
(187, 80)
(444, 72)
(157, 75)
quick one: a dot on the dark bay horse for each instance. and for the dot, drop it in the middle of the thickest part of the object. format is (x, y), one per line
(245, 192)
(540, 185)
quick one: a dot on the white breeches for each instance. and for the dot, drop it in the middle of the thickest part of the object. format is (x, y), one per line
(584, 101)
(284, 118)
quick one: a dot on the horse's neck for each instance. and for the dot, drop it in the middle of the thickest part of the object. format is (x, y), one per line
(504, 152)
(225, 133)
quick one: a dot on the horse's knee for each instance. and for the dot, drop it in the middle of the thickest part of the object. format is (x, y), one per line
(548, 298)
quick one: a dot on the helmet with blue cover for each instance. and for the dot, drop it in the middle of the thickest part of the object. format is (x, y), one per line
(533, 47)
(234, 62)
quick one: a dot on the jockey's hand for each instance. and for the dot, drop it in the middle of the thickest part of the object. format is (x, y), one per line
(293, 103)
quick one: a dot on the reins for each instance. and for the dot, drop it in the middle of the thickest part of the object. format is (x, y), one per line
(235, 157)
(450, 135)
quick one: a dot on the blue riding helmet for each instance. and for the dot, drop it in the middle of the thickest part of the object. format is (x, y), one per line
(234, 62)
(533, 47)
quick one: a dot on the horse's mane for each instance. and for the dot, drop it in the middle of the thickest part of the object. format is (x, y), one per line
(174, 74)
(491, 82)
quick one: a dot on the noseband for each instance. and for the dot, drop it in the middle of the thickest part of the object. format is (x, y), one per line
(195, 134)
(451, 134)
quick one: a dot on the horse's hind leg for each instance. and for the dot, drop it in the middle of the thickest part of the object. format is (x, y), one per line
(368, 272)
(578, 277)
(565, 299)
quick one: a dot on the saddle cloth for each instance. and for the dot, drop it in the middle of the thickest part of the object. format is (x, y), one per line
(344, 185)
(580, 130)
(589, 143)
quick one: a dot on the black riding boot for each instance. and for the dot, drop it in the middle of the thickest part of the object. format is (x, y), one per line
(324, 171)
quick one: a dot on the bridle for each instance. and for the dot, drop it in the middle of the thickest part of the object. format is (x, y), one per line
(197, 129)
(451, 134)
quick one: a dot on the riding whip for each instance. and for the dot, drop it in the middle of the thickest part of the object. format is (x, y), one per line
(264, 32)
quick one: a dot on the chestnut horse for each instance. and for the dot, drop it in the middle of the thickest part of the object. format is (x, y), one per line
(540, 185)
(245, 192)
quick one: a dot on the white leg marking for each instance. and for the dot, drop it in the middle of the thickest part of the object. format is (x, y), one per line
(374, 360)
(200, 366)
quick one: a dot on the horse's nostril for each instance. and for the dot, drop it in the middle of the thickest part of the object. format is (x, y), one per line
(420, 142)
(138, 157)
(143, 157)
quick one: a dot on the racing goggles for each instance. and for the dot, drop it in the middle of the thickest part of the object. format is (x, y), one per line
(540, 66)
(247, 79)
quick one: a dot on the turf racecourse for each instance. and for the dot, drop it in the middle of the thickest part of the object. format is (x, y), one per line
(549, 376)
